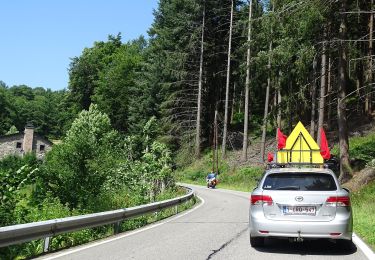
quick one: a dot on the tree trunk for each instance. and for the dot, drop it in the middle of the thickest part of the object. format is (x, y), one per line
(227, 83)
(279, 102)
(233, 103)
(199, 110)
(313, 98)
(345, 169)
(266, 103)
(322, 86)
(329, 93)
(359, 86)
(215, 144)
(247, 87)
(369, 77)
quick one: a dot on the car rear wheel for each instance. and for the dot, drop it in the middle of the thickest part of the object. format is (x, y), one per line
(256, 241)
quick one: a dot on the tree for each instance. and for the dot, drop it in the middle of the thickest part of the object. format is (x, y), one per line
(172, 62)
(5, 112)
(117, 88)
(266, 103)
(323, 81)
(247, 85)
(76, 169)
(84, 70)
(227, 83)
(345, 169)
(199, 101)
(369, 71)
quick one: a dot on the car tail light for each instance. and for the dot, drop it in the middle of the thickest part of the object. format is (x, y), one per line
(264, 231)
(261, 199)
(343, 201)
(335, 234)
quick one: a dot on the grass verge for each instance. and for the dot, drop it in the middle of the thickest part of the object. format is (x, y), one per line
(363, 203)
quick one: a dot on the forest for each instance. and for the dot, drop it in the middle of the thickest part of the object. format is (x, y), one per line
(260, 64)
(151, 101)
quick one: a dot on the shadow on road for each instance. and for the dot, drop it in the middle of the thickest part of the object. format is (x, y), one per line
(312, 247)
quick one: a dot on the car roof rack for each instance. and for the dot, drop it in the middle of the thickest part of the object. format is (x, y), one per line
(297, 165)
(332, 164)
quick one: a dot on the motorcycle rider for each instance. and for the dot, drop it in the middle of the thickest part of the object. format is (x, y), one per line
(211, 179)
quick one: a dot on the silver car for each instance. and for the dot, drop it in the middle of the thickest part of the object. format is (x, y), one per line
(300, 203)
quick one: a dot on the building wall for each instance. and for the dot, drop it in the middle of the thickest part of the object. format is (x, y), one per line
(28, 139)
(38, 142)
(8, 146)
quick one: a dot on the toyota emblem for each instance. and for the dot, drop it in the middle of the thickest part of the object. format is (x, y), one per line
(299, 198)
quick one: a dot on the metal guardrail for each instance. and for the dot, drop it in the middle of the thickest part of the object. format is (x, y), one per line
(17, 234)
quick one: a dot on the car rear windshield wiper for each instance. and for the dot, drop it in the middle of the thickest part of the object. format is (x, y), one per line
(288, 188)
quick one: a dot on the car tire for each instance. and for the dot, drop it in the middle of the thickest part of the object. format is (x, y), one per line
(256, 241)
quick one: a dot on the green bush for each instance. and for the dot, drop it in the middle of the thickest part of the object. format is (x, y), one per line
(94, 169)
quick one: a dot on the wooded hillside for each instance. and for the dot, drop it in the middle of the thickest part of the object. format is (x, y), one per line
(260, 64)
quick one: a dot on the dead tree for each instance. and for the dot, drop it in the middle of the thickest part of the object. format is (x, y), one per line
(247, 88)
(199, 109)
(227, 83)
(266, 103)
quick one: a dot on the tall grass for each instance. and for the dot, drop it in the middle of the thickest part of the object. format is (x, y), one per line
(363, 203)
(242, 179)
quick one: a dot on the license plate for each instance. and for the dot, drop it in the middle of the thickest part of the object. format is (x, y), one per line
(299, 210)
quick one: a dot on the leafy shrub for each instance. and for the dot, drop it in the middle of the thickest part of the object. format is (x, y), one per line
(15, 174)
(94, 169)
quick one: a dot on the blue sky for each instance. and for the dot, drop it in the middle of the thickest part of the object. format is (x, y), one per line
(38, 37)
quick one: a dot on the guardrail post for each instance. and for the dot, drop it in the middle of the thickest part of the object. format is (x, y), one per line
(176, 208)
(156, 214)
(47, 241)
(116, 227)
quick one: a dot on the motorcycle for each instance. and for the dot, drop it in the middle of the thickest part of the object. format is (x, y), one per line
(212, 182)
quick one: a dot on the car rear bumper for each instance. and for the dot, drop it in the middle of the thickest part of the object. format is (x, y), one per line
(341, 228)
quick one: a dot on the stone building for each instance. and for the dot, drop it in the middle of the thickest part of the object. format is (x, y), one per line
(22, 143)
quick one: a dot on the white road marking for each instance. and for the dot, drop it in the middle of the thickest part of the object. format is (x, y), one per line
(364, 247)
(125, 235)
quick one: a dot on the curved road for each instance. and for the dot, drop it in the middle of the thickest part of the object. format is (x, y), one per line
(215, 229)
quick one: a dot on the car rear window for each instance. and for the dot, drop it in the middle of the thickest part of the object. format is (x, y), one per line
(299, 181)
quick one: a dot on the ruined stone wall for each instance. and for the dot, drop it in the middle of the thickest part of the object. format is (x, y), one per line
(38, 142)
(8, 145)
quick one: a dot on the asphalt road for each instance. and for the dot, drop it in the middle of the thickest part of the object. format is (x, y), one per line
(216, 229)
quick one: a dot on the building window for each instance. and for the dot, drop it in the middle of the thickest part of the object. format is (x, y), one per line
(42, 147)
(18, 145)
